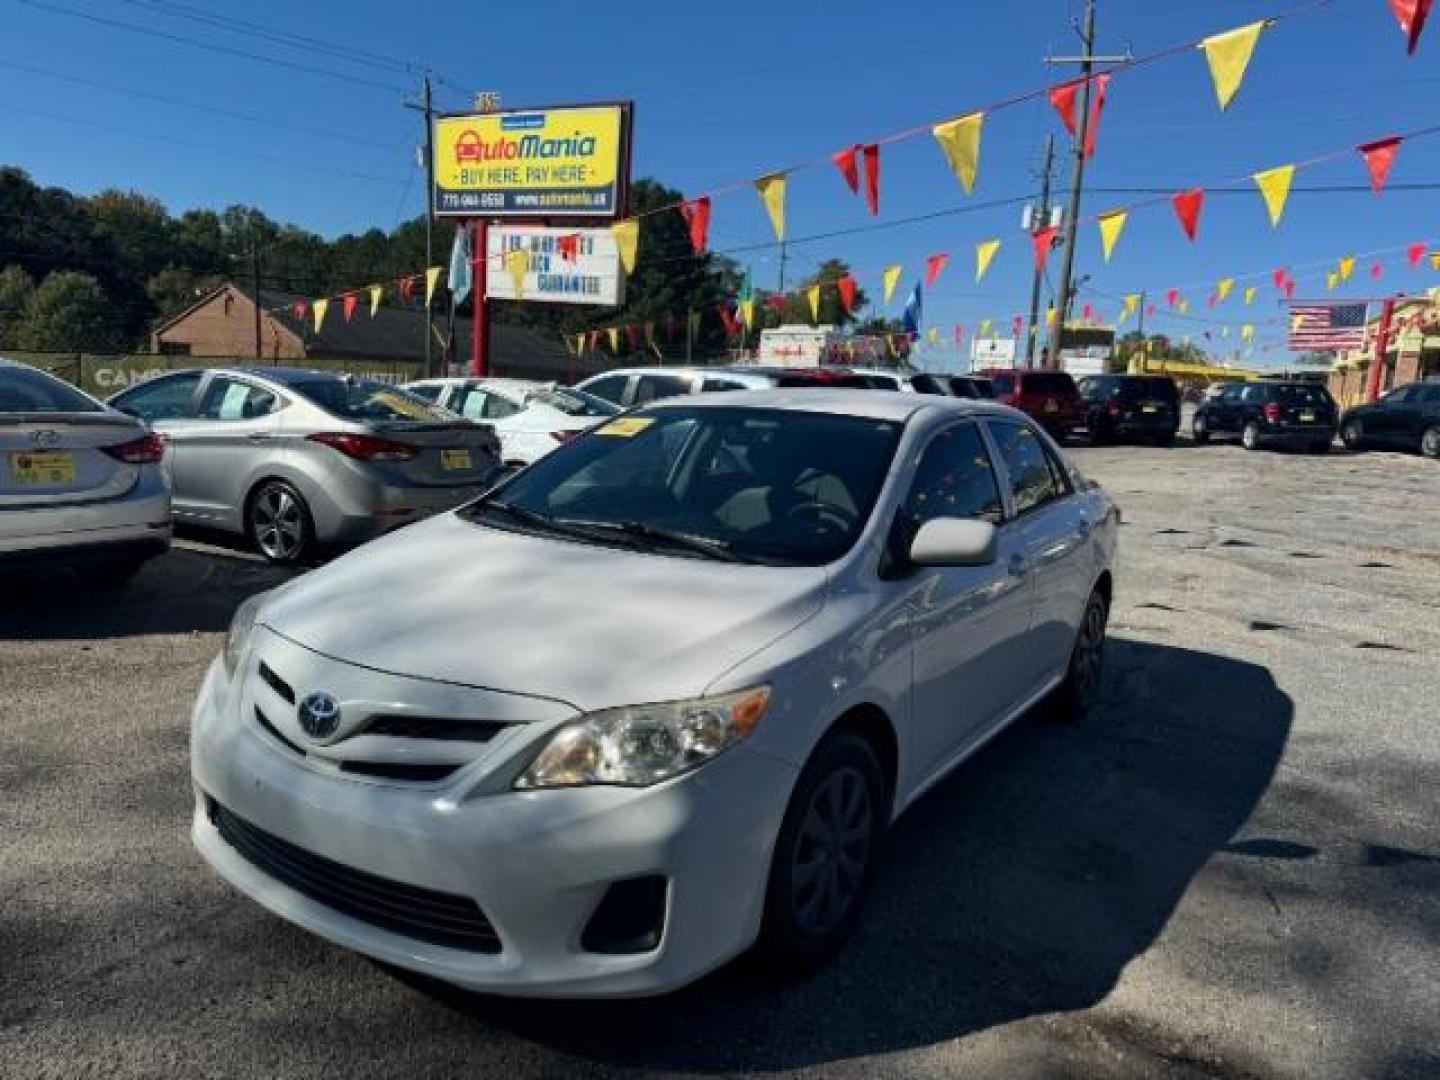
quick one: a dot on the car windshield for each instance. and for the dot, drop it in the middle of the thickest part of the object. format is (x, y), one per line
(574, 402)
(1056, 382)
(734, 484)
(1148, 390)
(366, 399)
(1299, 394)
(25, 391)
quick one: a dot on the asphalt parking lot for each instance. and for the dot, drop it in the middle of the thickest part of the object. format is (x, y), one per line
(1232, 869)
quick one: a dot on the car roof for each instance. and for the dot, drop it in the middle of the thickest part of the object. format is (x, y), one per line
(283, 375)
(866, 404)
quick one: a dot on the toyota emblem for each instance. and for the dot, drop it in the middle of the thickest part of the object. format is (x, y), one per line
(44, 437)
(319, 715)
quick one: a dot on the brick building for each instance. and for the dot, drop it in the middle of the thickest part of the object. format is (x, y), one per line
(1413, 352)
(222, 324)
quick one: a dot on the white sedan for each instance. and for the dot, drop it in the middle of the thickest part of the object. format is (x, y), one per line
(530, 418)
(656, 697)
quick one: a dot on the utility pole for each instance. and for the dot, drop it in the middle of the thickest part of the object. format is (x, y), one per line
(426, 107)
(1086, 60)
(255, 270)
(783, 252)
(1040, 219)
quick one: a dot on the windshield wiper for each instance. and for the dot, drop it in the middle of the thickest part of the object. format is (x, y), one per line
(710, 546)
(576, 530)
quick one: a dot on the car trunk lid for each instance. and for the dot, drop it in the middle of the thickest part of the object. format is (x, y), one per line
(59, 458)
(455, 453)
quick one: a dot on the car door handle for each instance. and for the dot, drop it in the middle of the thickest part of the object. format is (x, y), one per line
(257, 437)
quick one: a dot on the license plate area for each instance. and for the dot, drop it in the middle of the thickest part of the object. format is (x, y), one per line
(1307, 416)
(455, 458)
(42, 467)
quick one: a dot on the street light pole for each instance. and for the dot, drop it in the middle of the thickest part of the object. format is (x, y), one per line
(255, 267)
(1041, 219)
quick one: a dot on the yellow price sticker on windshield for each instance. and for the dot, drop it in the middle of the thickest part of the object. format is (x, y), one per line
(407, 407)
(625, 427)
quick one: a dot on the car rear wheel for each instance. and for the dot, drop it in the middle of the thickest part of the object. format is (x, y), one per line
(1199, 431)
(1352, 434)
(279, 524)
(1077, 695)
(1250, 437)
(1430, 441)
(825, 854)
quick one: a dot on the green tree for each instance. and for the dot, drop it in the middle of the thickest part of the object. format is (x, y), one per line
(16, 288)
(832, 309)
(68, 312)
(177, 287)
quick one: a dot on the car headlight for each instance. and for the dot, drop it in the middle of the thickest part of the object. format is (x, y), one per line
(639, 745)
(241, 625)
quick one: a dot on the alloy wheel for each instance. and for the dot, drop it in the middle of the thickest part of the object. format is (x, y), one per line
(277, 522)
(1089, 658)
(1352, 435)
(1250, 437)
(1430, 442)
(832, 852)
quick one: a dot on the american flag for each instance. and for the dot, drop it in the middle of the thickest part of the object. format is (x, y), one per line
(1327, 327)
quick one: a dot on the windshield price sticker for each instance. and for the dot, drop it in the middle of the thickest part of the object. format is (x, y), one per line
(626, 427)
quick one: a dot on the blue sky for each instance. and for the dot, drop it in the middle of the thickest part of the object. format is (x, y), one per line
(724, 94)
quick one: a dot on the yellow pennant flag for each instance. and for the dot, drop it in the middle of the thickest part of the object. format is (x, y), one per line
(1247, 332)
(772, 194)
(614, 335)
(1435, 259)
(1346, 267)
(518, 263)
(1132, 301)
(1250, 295)
(320, 307)
(579, 344)
(432, 278)
(376, 292)
(747, 313)
(1331, 280)
(934, 335)
(1274, 185)
(960, 141)
(985, 327)
(891, 277)
(984, 252)
(627, 242)
(1222, 289)
(1112, 224)
(1228, 55)
(1183, 306)
(812, 294)
(1050, 315)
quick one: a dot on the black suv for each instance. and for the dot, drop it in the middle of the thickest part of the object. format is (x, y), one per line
(1408, 417)
(1265, 413)
(1131, 407)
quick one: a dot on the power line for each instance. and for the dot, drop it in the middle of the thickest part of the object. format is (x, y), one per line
(228, 50)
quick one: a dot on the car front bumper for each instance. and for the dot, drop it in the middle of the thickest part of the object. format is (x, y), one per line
(538, 863)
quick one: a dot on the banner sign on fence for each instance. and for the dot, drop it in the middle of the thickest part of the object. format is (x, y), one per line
(541, 163)
(563, 266)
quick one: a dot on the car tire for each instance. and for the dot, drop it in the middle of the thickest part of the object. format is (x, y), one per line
(840, 790)
(1077, 694)
(1199, 431)
(1352, 434)
(278, 523)
(1250, 436)
(1430, 441)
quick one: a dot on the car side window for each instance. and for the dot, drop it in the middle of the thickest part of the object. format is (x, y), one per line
(954, 478)
(611, 388)
(652, 387)
(1004, 384)
(231, 399)
(468, 401)
(1430, 395)
(161, 399)
(1036, 478)
(497, 408)
(430, 392)
(711, 386)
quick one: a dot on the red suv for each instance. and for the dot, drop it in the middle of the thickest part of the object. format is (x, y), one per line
(1048, 397)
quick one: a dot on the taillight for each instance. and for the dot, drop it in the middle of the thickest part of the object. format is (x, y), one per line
(1113, 408)
(564, 436)
(146, 450)
(365, 447)
(1272, 413)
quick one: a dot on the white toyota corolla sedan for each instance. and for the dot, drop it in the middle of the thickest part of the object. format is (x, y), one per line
(657, 697)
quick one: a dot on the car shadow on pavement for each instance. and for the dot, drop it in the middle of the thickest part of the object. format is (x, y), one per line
(182, 591)
(1023, 885)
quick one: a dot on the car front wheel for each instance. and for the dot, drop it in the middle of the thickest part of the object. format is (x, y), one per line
(1430, 441)
(1250, 437)
(1199, 431)
(279, 524)
(1352, 434)
(1077, 695)
(825, 854)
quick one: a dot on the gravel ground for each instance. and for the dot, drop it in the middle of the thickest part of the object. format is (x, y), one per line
(1232, 869)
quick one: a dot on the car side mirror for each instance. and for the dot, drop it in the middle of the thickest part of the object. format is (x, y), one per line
(950, 541)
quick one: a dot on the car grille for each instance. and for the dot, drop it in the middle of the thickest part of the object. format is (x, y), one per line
(427, 915)
(415, 772)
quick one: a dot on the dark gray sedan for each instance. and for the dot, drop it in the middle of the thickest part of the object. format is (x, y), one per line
(296, 459)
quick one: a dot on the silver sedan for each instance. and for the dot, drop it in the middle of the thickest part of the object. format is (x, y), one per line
(80, 485)
(296, 459)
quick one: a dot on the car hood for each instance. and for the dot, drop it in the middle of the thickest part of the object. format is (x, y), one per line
(588, 625)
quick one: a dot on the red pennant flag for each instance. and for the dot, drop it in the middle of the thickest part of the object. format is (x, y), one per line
(959, 333)
(632, 334)
(1172, 296)
(568, 246)
(697, 216)
(1415, 252)
(845, 161)
(1379, 156)
(933, 265)
(871, 154)
(1376, 270)
(1018, 323)
(1062, 97)
(726, 319)
(301, 308)
(1187, 208)
(1290, 288)
(592, 340)
(1149, 310)
(347, 303)
(846, 285)
(1043, 240)
(1087, 312)
(777, 301)
(407, 288)
(1279, 277)
(1412, 15)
